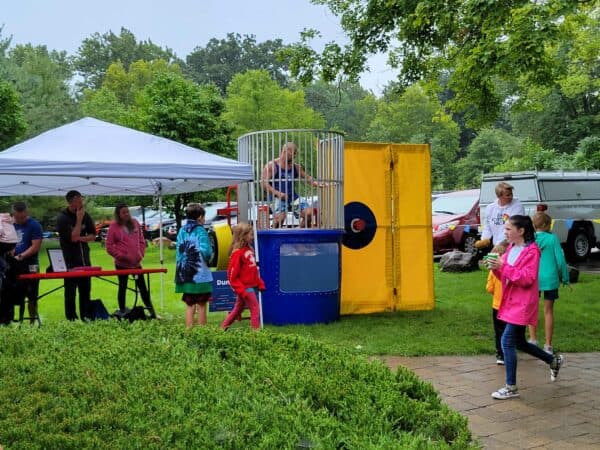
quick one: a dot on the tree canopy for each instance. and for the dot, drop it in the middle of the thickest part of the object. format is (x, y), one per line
(256, 102)
(99, 51)
(222, 59)
(476, 41)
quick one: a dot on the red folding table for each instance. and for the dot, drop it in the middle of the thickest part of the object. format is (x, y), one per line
(101, 274)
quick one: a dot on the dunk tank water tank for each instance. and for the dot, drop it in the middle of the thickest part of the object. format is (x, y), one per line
(297, 204)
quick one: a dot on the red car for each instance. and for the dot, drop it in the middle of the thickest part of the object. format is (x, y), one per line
(455, 221)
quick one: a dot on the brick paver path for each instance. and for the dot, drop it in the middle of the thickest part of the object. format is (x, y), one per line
(564, 414)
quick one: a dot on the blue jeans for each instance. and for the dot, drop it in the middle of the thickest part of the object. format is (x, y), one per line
(513, 339)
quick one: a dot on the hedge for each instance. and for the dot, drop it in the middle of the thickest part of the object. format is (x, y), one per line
(152, 385)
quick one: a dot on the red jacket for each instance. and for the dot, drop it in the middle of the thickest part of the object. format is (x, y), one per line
(126, 248)
(242, 272)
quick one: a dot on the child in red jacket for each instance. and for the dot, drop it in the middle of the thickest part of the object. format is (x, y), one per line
(243, 276)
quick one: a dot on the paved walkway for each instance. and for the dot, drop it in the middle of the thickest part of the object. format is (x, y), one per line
(564, 414)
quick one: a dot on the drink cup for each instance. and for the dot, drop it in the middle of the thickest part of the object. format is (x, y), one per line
(490, 256)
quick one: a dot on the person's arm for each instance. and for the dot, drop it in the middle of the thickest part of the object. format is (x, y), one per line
(489, 285)
(308, 178)
(89, 225)
(36, 243)
(526, 272)
(112, 242)
(233, 274)
(204, 241)
(267, 173)
(141, 240)
(561, 262)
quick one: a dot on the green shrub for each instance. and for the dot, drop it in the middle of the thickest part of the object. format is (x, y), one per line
(152, 385)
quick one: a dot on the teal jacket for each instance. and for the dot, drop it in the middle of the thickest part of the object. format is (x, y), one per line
(553, 266)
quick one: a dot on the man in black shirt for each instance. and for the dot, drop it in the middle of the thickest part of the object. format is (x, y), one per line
(75, 229)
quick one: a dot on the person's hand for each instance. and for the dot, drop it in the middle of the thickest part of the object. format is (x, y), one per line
(80, 213)
(494, 263)
(483, 243)
(282, 196)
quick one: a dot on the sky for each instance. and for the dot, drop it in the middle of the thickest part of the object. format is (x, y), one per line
(180, 25)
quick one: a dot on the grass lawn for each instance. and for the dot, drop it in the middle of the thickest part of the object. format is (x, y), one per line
(459, 324)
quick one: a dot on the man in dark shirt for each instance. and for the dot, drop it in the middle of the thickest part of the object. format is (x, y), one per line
(29, 232)
(75, 229)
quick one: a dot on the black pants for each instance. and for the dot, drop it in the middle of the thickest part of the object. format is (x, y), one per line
(84, 285)
(499, 326)
(141, 286)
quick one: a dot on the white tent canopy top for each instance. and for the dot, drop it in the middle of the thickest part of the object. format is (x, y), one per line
(100, 158)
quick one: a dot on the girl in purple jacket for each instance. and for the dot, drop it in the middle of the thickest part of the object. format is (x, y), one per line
(518, 272)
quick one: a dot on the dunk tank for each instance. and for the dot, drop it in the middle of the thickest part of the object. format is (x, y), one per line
(342, 227)
(296, 204)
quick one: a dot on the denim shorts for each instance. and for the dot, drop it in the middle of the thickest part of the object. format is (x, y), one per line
(551, 294)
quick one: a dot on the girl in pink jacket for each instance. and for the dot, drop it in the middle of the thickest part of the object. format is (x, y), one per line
(126, 244)
(518, 272)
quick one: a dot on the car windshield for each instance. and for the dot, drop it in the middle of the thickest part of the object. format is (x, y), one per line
(453, 204)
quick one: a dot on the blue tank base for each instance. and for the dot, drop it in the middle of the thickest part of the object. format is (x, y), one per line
(301, 269)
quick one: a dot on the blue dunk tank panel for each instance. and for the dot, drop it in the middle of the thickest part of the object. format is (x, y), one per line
(301, 269)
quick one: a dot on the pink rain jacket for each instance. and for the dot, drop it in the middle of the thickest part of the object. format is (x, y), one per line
(520, 292)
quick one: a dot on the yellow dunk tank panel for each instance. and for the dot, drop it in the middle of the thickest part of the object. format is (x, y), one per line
(394, 271)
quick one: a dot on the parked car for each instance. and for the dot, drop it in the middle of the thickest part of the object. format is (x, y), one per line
(455, 221)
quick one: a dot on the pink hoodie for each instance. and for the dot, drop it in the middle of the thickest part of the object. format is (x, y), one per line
(520, 295)
(127, 248)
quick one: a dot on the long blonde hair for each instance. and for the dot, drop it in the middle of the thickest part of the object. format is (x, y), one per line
(239, 232)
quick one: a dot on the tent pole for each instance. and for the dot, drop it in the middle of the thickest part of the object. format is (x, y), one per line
(160, 253)
(254, 216)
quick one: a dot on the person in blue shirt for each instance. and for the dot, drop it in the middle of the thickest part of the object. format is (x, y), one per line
(278, 180)
(29, 233)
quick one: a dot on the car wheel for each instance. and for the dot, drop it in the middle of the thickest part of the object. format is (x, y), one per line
(468, 244)
(578, 245)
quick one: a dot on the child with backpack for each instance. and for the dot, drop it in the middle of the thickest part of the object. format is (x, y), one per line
(553, 270)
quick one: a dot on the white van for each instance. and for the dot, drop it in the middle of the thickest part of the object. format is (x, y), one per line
(572, 199)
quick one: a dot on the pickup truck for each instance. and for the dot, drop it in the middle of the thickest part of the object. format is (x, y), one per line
(571, 198)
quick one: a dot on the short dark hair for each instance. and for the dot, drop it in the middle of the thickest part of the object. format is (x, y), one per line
(193, 211)
(525, 223)
(19, 207)
(72, 194)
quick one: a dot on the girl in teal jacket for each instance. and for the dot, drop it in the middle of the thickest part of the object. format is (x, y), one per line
(553, 270)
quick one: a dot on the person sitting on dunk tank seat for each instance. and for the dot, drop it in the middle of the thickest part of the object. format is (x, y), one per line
(278, 178)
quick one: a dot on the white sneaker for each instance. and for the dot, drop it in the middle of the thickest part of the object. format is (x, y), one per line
(532, 341)
(506, 392)
(548, 349)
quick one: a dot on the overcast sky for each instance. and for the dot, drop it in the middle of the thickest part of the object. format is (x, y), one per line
(178, 24)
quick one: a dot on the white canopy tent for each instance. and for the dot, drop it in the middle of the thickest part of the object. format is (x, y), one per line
(100, 158)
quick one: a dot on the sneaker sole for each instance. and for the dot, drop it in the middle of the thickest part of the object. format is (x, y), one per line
(508, 397)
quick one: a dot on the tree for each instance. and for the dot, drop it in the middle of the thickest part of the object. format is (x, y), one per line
(115, 100)
(413, 117)
(42, 78)
(479, 41)
(12, 122)
(221, 60)
(256, 102)
(346, 107)
(488, 150)
(587, 155)
(99, 51)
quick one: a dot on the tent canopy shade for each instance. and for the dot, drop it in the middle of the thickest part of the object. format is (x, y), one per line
(100, 158)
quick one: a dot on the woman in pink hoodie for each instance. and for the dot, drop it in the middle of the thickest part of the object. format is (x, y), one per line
(126, 244)
(518, 272)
